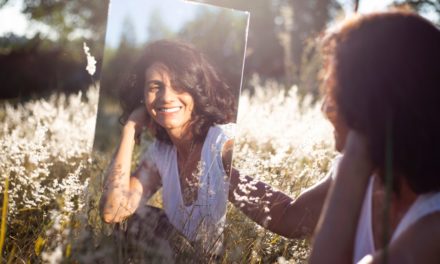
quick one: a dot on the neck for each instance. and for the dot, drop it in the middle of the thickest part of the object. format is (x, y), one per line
(399, 205)
(183, 141)
(404, 194)
(400, 202)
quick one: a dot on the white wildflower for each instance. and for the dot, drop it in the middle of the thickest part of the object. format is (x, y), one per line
(91, 62)
(53, 257)
(282, 260)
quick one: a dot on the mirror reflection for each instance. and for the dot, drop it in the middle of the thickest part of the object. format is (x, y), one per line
(174, 92)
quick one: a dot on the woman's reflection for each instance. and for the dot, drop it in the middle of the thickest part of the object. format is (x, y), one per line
(182, 101)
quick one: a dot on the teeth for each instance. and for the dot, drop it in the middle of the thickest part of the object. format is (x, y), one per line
(169, 110)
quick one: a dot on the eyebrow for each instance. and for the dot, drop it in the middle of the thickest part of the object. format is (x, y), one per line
(153, 82)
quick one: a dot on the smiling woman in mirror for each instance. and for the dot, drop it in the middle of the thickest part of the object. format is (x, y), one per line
(180, 99)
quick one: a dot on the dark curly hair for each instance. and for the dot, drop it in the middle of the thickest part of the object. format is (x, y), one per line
(385, 80)
(191, 71)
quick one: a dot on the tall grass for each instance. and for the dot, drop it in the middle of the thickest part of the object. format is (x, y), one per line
(45, 146)
(52, 208)
(4, 216)
(282, 140)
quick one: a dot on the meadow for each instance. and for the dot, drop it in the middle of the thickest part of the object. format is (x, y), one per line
(51, 182)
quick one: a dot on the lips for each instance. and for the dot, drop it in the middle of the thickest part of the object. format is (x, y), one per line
(168, 109)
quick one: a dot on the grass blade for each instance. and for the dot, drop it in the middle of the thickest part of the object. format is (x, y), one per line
(4, 216)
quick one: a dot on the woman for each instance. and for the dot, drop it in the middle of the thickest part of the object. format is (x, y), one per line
(384, 204)
(180, 98)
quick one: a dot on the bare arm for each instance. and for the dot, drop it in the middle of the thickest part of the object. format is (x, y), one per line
(273, 209)
(124, 192)
(342, 208)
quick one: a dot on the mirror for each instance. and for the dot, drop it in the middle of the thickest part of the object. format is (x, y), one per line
(173, 68)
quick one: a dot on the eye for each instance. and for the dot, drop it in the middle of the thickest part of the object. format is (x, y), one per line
(179, 87)
(154, 86)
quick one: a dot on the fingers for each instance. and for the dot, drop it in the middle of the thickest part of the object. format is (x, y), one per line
(138, 121)
(356, 153)
(137, 138)
(356, 143)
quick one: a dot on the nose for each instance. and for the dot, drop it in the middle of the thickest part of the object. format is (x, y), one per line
(328, 108)
(324, 105)
(167, 94)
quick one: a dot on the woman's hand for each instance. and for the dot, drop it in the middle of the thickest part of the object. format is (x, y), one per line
(137, 121)
(356, 155)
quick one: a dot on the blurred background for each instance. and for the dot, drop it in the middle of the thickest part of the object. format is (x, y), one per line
(41, 40)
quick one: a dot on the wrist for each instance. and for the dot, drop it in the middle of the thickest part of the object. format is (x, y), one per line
(129, 129)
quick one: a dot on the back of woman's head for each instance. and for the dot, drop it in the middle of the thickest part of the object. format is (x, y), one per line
(385, 71)
(191, 72)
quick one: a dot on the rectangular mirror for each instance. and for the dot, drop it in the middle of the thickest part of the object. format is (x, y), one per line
(171, 79)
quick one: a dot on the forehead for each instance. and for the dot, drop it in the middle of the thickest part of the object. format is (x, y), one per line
(157, 70)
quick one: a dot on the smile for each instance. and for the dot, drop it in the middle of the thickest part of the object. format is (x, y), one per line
(169, 110)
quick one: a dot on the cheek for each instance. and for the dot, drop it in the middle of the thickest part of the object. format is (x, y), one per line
(341, 132)
(150, 108)
(189, 101)
(192, 107)
(149, 101)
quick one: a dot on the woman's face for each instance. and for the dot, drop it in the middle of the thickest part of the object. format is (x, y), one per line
(340, 131)
(169, 106)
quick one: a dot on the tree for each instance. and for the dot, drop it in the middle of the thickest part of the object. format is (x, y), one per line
(220, 35)
(55, 65)
(263, 48)
(115, 70)
(309, 18)
(30, 69)
(128, 34)
(85, 18)
(430, 7)
(355, 5)
(278, 34)
(157, 28)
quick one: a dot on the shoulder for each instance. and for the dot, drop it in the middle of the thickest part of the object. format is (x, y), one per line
(158, 147)
(220, 141)
(226, 130)
(420, 243)
(218, 135)
(156, 151)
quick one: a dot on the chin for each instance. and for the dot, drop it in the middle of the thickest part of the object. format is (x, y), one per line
(339, 146)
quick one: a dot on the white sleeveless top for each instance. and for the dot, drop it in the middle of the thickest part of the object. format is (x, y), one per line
(364, 243)
(204, 219)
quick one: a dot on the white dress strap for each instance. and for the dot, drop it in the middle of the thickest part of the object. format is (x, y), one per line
(364, 241)
(424, 205)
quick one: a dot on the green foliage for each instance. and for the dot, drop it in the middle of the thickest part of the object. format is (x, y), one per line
(426, 7)
(40, 65)
(66, 17)
(221, 36)
(264, 51)
(280, 35)
(157, 28)
(37, 67)
(282, 38)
